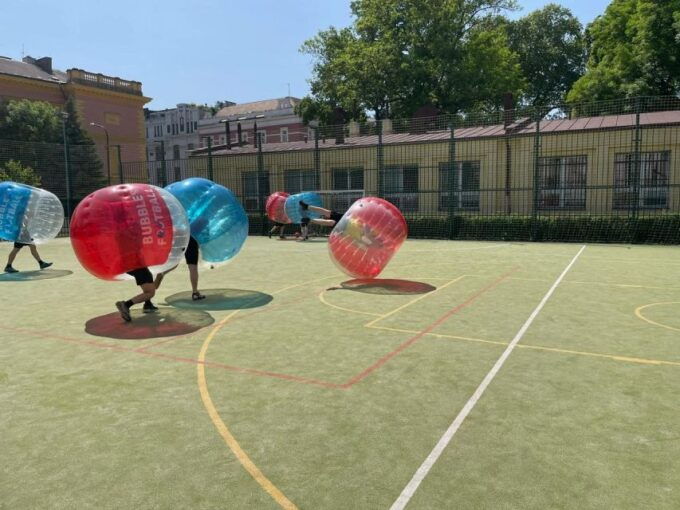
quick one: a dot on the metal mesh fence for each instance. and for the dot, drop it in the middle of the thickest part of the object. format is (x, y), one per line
(599, 172)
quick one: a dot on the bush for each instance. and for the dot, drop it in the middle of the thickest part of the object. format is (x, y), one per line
(15, 171)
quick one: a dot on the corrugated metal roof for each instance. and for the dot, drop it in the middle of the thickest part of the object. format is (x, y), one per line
(476, 132)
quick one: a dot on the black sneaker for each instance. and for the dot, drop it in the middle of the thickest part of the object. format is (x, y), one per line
(10, 269)
(149, 307)
(44, 264)
(197, 296)
(124, 311)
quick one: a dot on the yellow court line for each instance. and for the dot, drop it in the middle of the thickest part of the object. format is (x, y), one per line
(629, 359)
(323, 300)
(398, 309)
(638, 313)
(631, 285)
(231, 441)
(439, 335)
(222, 428)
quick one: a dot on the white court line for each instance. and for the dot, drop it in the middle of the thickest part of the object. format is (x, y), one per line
(443, 442)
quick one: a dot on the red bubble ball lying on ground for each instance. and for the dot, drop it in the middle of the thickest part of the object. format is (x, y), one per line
(275, 207)
(367, 237)
(129, 226)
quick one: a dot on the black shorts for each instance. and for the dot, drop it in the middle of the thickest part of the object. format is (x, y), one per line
(142, 275)
(191, 253)
(277, 224)
(336, 216)
(21, 245)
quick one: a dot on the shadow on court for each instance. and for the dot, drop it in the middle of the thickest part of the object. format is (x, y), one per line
(26, 276)
(386, 286)
(220, 299)
(165, 322)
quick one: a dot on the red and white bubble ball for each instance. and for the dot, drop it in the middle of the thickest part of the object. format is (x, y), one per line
(129, 226)
(276, 207)
(367, 237)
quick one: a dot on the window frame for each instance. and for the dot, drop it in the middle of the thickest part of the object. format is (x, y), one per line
(626, 160)
(460, 193)
(563, 191)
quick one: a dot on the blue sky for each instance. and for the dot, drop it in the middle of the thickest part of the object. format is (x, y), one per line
(190, 50)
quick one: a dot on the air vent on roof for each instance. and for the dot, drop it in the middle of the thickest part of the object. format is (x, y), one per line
(2, 57)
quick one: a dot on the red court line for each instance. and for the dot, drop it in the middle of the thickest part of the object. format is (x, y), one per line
(425, 331)
(265, 373)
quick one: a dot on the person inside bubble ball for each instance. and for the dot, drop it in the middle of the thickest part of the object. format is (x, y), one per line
(329, 218)
(144, 279)
(281, 228)
(34, 252)
(191, 258)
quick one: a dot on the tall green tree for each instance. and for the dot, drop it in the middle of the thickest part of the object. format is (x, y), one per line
(402, 54)
(29, 121)
(551, 50)
(85, 166)
(633, 50)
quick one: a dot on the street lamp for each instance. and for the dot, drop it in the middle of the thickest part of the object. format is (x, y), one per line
(108, 153)
(64, 118)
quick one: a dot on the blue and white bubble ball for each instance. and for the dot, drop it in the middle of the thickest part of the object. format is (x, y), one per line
(29, 215)
(295, 212)
(217, 219)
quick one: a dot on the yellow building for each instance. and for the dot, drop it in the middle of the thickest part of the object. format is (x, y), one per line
(587, 165)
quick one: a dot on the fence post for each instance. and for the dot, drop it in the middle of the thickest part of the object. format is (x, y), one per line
(260, 175)
(68, 175)
(120, 165)
(536, 195)
(210, 160)
(380, 159)
(317, 153)
(451, 183)
(636, 177)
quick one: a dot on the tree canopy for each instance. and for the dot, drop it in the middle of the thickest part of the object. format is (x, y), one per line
(634, 50)
(402, 54)
(551, 50)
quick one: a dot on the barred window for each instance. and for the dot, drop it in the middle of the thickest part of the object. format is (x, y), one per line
(641, 183)
(297, 181)
(459, 182)
(400, 186)
(562, 182)
(255, 193)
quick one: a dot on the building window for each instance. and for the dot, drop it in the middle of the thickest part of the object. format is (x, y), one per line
(643, 185)
(244, 136)
(562, 182)
(263, 136)
(175, 152)
(255, 193)
(195, 125)
(459, 182)
(348, 186)
(400, 186)
(283, 134)
(297, 181)
(190, 147)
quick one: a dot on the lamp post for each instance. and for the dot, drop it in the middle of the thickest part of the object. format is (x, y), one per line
(64, 118)
(108, 152)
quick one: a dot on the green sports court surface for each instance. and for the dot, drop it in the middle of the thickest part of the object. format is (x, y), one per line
(475, 375)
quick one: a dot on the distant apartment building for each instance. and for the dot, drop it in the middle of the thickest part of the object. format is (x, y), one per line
(274, 119)
(174, 131)
(114, 103)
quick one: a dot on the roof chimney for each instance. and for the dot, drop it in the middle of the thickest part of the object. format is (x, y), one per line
(44, 63)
